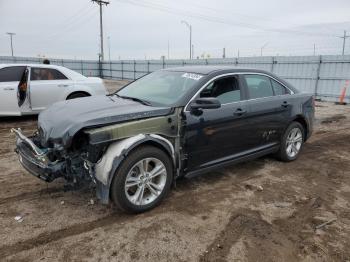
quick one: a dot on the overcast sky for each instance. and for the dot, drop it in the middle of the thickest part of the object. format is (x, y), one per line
(141, 29)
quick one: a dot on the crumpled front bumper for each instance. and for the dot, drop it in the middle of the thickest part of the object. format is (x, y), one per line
(35, 161)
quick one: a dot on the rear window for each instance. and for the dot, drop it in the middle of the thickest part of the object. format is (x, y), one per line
(279, 89)
(46, 74)
(11, 74)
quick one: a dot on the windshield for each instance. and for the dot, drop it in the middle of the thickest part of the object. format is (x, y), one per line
(163, 88)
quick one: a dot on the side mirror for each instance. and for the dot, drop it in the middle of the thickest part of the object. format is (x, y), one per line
(205, 103)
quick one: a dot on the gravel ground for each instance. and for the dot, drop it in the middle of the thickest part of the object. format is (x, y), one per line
(262, 210)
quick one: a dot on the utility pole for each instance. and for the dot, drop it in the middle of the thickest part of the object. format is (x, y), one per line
(344, 40)
(11, 35)
(190, 28)
(192, 51)
(100, 3)
(224, 53)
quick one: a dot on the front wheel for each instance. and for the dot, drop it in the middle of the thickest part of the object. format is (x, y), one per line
(142, 180)
(292, 142)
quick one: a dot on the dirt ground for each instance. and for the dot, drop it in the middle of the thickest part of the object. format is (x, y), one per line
(262, 210)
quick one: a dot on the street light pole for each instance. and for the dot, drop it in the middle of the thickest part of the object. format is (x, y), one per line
(261, 49)
(190, 28)
(11, 35)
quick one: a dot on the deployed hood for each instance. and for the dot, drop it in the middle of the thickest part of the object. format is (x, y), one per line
(60, 122)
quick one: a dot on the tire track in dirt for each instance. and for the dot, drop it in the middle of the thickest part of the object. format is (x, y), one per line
(249, 228)
(219, 249)
(48, 237)
(30, 195)
(258, 236)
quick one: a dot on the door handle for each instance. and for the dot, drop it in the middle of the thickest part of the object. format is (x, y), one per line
(239, 112)
(285, 104)
(62, 85)
(9, 88)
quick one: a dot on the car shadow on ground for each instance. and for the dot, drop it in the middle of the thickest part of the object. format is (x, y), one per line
(19, 118)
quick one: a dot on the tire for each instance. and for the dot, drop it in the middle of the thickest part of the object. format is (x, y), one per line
(77, 95)
(290, 150)
(124, 194)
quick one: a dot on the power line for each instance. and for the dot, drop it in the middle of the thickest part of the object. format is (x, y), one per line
(79, 20)
(100, 3)
(214, 19)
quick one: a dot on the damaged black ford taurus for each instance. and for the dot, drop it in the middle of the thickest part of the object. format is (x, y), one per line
(134, 143)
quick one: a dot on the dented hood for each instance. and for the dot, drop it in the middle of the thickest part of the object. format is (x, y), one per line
(60, 122)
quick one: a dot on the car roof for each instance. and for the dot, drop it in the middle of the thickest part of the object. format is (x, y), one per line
(33, 65)
(66, 71)
(206, 69)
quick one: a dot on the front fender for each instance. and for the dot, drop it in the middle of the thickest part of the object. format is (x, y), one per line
(116, 153)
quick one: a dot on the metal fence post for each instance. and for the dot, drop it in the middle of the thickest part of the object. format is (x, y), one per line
(147, 66)
(163, 62)
(110, 68)
(122, 64)
(134, 69)
(183, 62)
(273, 63)
(82, 67)
(206, 61)
(100, 66)
(318, 75)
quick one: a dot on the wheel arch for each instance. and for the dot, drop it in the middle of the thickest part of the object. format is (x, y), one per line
(77, 92)
(118, 151)
(301, 120)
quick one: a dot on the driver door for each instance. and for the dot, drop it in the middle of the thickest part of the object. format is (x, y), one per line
(213, 136)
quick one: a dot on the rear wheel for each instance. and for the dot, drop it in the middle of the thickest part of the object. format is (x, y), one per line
(292, 142)
(142, 180)
(77, 95)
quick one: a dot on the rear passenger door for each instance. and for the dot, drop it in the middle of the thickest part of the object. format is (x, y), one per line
(47, 86)
(269, 109)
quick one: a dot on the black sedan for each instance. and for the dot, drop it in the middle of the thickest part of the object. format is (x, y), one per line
(182, 121)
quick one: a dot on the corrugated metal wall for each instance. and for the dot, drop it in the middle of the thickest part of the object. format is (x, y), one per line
(324, 76)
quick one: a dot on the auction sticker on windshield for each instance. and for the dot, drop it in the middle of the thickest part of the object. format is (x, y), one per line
(192, 76)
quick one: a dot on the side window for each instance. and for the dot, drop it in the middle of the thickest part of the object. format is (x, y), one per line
(258, 86)
(11, 74)
(226, 90)
(278, 88)
(46, 74)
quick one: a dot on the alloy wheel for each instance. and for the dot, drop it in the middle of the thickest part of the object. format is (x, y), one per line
(294, 142)
(145, 181)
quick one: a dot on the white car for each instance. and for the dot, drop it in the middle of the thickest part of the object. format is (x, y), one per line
(30, 88)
